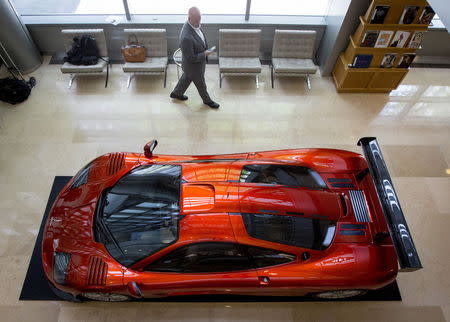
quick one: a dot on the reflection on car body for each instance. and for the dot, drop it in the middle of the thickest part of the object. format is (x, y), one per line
(266, 223)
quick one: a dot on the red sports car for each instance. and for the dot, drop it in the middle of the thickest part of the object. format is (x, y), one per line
(289, 222)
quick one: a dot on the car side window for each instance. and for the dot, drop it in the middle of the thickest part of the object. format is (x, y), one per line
(204, 258)
(290, 230)
(287, 175)
(263, 257)
(173, 262)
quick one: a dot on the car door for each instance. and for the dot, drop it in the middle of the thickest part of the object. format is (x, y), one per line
(278, 271)
(281, 238)
(200, 268)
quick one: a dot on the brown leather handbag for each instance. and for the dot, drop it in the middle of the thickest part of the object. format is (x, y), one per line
(133, 52)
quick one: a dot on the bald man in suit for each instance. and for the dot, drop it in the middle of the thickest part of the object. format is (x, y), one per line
(194, 48)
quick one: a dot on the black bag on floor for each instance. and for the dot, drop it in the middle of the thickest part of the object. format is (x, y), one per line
(14, 90)
(84, 51)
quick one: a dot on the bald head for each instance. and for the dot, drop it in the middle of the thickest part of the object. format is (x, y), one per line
(194, 17)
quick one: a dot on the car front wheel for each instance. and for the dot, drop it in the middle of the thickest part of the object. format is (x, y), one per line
(339, 294)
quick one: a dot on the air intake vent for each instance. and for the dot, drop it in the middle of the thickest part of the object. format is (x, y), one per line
(339, 180)
(97, 271)
(341, 183)
(359, 206)
(116, 162)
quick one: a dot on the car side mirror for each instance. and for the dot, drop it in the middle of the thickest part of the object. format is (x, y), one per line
(134, 290)
(149, 147)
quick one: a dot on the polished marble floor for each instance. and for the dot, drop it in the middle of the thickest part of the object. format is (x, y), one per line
(58, 130)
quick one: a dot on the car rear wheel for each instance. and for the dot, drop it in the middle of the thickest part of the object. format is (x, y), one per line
(106, 297)
(339, 294)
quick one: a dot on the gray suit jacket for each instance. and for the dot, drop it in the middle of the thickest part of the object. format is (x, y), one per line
(193, 48)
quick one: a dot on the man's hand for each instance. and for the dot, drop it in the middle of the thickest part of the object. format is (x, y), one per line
(207, 52)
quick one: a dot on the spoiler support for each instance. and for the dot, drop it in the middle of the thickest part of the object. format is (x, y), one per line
(407, 255)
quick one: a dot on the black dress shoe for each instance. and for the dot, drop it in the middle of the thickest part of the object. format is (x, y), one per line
(212, 104)
(178, 97)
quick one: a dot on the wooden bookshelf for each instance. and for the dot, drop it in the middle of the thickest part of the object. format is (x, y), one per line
(375, 78)
(366, 80)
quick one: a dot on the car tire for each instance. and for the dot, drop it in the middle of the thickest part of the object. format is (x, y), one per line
(106, 297)
(338, 294)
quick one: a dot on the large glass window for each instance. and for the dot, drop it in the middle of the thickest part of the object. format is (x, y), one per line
(68, 7)
(282, 174)
(139, 215)
(136, 7)
(290, 230)
(235, 7)
(290, 7)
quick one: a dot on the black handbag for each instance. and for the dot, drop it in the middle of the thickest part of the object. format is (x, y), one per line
(14, 90)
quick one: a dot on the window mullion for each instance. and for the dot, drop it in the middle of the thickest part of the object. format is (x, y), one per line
(127, 10)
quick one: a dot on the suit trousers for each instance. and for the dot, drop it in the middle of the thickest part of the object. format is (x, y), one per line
(199, 82)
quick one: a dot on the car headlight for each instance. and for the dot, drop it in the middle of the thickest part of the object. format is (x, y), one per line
(81, 177)
(60, 265)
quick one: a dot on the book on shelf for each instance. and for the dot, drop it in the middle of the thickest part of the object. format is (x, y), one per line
(379, 14)
(384, 37)
(370, 38)
(409, 15)
(416, 39)
(426, 16)
(400, 39)
(406, 60)
(388, 60)
(362, 61)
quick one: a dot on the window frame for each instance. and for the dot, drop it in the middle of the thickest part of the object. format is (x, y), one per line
(139, 18)
(242, 247)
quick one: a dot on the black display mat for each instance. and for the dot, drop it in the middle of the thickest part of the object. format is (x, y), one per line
(35, 286)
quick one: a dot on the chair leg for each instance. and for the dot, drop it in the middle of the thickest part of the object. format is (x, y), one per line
(257, 81)
(165, 77)
(271, 74)
(178, 71)
(72, 76)
(220, 80)
(129, 80)
(308, 82)
(107, 75)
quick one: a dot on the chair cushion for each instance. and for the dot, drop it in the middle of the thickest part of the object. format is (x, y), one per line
(97, 68)
(151, 64)
(293, 65)
(239, 65)
(294, 44)
(239, 42)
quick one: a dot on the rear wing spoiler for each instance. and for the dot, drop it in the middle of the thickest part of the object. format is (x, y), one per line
(407, 255)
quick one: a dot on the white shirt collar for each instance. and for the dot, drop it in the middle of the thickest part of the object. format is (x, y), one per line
(194, 27)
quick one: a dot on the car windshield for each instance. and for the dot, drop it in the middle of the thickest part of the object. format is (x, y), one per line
(139, 215)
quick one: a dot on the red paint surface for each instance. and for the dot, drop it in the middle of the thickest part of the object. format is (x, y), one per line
(210, 193)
